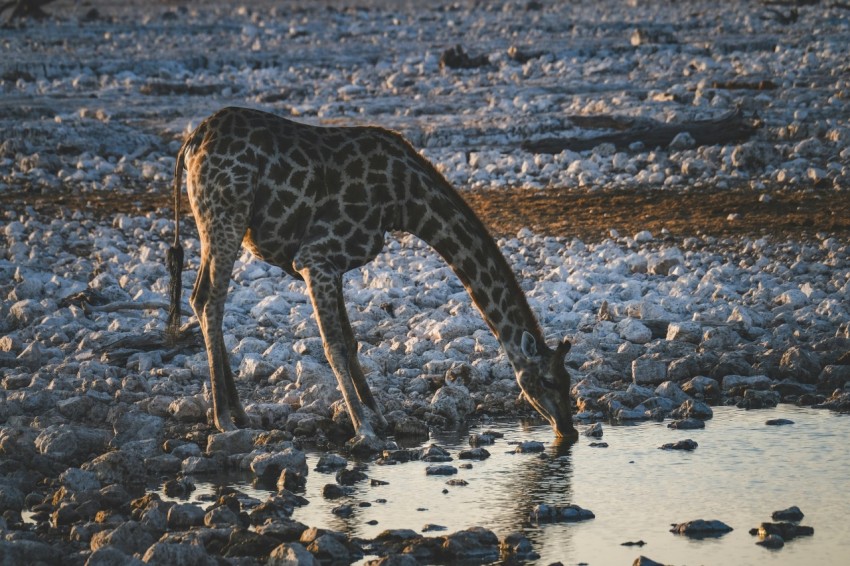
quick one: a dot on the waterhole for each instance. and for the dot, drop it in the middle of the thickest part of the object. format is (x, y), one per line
(741, 471)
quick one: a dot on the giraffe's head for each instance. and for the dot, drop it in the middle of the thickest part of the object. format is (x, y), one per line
(546, 384)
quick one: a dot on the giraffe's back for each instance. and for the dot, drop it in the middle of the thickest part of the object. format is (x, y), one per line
(293, 183)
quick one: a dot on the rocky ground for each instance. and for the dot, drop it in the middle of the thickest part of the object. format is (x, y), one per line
(685, 276)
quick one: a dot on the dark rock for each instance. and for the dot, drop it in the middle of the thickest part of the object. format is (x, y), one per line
(800, 364)
(179, 488)
(839, 401)
(276, 507)
(543, 513)
(687, 424)
(692, 409)
(129, 537)
(365, 446)
(410, 427)
(350, 477)
(456, 58)
(474, 544)
(168, 553)
(529, 446)
(65, 514)
(394, 560)
(184, 516)
(430, 527)
(594, 430)
(112, 556)
(291, 554)
(222, 516)
(778, 422)
(686, 444)
(334, 549)
(335, 491)
(787, 531)
(444, 470)
(758, 399)
(516, 546)
(730, 363)
(23, 551)
(331, 462)
(700, 528)
(790, 514)
(772, 541)
(834, 377)
(483, 439)
(702, 387)
(808, 400)
(291, 480)
(346, 510)
(599, 445)
(243, 542)
(434, 453)
(644, 561)
(283, 530)
(474, 454)
(788, 387)
(398, 456)
(457, 482)
(374, 483)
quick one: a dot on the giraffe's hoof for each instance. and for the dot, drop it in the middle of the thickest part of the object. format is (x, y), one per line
(225, 424)
(365, 445)
(241, 418)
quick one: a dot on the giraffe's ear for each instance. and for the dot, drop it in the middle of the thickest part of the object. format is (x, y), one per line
(528, 345)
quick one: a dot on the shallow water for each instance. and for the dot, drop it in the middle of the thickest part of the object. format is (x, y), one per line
(741, 472)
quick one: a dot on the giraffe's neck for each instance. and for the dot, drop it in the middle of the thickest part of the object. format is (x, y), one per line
(448, 225)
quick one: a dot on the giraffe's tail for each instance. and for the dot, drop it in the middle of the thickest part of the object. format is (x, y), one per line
(174, 257)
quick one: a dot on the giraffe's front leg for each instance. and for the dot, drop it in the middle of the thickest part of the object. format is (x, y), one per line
(322, 284)
(360, 384)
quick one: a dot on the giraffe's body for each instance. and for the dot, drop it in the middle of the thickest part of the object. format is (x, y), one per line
(317, 202)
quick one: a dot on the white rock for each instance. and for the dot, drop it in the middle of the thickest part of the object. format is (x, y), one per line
(634, 331)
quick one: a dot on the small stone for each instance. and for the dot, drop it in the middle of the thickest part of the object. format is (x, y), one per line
(350, 477)
(785, 530)
(686, 444)
(543, 513)
(594, 430)
(778, 422)
(693, 409)
(335, 491)
(529, 446)
(701, 528)
(771, 541)
(790, 514)
(474, 454)
(434, 453)
(444, 470)
(184, 516)
(343, 510)
(330, 462)
(479, 439)
(687, 424)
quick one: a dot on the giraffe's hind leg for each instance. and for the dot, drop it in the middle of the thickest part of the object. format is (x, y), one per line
(360, 385)
(218, 253)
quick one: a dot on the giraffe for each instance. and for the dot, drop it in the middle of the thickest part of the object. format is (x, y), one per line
(317, 202)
